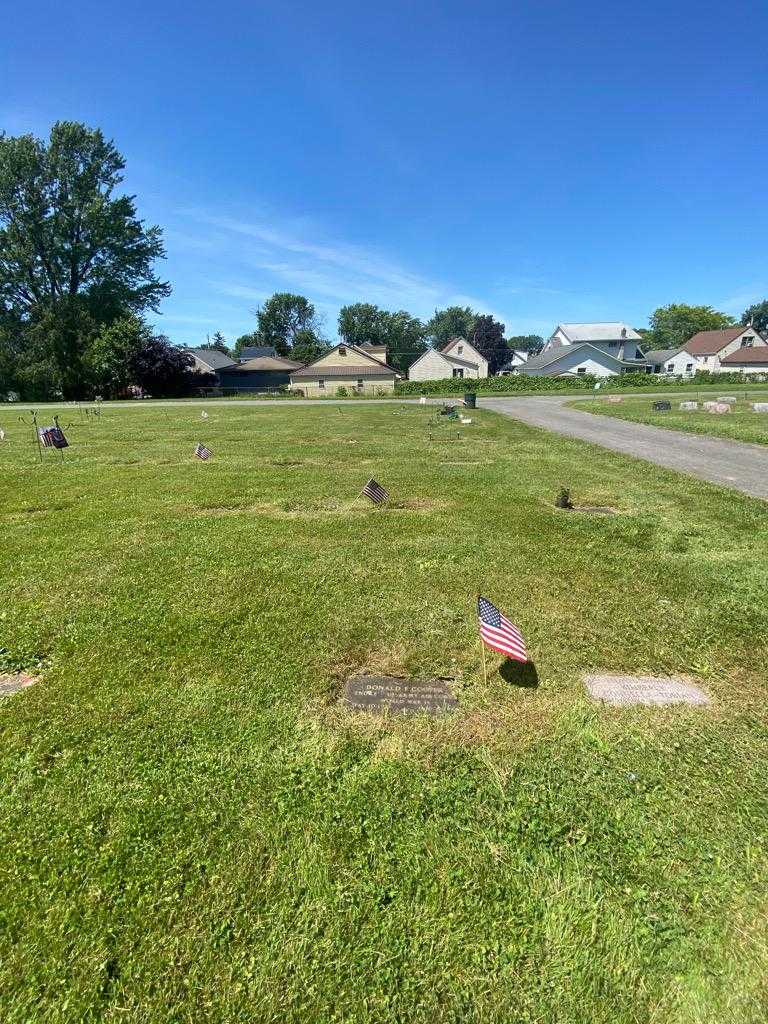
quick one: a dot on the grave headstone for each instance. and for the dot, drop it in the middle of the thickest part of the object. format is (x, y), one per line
(624, 691)
(422, 400)
(662, 406)
(689, 406)
(399, 695)
(709, 406)
(614, 399)
(726, 398)
(719, 407)
(760, 406)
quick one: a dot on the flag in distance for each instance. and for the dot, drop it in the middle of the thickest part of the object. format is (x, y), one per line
(498, 632)
(53, 437)
(375, 492)
(202, 452)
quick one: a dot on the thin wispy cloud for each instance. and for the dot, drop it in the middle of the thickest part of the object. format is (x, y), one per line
(737, 303)
(332, 272)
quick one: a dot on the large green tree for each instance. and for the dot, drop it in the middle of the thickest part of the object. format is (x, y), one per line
(109, 357)
(672, 326)
(488, 339)
(361, 323)
(757, 315)
(285, 318)
(532, 343)
(73, 253)
(453, 322)
(403, 334)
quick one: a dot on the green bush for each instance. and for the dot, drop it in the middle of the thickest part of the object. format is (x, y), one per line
(522, 382)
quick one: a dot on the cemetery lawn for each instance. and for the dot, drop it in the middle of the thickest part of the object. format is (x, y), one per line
(741, 424)
(192, 830)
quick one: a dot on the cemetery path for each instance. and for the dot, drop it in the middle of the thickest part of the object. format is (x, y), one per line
(735, 464)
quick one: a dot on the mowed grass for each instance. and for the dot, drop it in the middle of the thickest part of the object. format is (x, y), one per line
(742, 423)
(192, 829)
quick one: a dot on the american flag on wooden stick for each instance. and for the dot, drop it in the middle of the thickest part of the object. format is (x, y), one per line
(375, 492)
(202, 452)
(498, 632)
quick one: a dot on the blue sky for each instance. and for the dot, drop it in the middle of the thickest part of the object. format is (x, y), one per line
(543, 161)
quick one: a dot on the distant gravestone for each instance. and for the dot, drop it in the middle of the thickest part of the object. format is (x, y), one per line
(624, 691)
(662, 406)
(399, 695)
(14, 682)
(422, 400)
(760, 406)
(709, 405)
(689, 406)
(726, 398)
(719, 407)
(614, 399)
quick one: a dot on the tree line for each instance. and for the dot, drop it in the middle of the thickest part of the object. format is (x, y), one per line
(78, 279)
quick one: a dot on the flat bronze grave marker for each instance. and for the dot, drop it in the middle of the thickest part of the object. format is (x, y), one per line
(623, 691)
(399, 695)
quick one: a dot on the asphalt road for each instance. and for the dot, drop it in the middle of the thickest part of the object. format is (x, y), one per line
(735, 464)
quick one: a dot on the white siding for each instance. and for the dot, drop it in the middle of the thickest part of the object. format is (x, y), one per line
(430, 366)
(572, 362)
(681, 365)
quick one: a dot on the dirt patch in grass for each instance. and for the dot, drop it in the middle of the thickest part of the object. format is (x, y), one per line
(14, 682)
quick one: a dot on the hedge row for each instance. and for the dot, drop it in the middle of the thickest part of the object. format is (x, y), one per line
(523, 382)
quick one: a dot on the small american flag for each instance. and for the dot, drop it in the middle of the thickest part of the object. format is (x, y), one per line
(375, 492)
(202, 452)
(45, 436)
(498, 632)
(57, 438)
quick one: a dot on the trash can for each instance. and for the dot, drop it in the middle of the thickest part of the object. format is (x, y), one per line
(470, 400)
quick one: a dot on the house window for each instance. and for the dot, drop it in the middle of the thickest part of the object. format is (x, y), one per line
(458, 373)
(582, 369)
(748, 341)
(321, 385)
(460, 349)
(688, 367)
(359, 383)
(342, 350)
(670, 367)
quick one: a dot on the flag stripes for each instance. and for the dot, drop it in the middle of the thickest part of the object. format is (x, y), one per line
(497, 632)
(375, 492)
(202, 452)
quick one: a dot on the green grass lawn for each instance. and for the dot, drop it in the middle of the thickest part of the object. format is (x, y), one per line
(741, 424)
(192, 830)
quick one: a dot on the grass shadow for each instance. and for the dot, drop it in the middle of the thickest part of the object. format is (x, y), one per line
(519, 673)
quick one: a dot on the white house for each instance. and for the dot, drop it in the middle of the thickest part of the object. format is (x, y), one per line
(515, 359)
(672, 362)
(458, 358)
(604, 349)
(577, 361)
(749, 359)
(712, 347)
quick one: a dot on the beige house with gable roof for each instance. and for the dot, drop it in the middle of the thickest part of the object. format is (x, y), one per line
(457, 358)
(361, 369)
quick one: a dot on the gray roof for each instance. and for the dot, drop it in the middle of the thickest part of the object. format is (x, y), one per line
(459, 362)
(257, 352)
(608, 330)
(330, 372)
(662, 355)
(555, 354)
(212, 357)
(265, 364)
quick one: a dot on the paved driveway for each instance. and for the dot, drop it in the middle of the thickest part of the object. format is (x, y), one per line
(744, 467)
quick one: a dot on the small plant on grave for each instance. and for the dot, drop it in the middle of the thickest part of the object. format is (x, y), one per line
(341, 392)
(563, 499)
